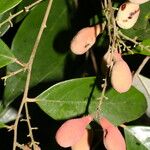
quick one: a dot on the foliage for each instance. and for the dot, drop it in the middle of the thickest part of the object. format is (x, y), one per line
(39, 67)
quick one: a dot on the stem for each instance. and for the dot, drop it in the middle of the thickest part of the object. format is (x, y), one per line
(30, 63)
(33, 143)
(13, 73)
(142, 65)
(19, 12)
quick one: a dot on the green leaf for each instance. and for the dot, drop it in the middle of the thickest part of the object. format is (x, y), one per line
(6, 5)
(137, 137)
(20, 7)
(141, 34)
(5, 26)
(2, 125)
(51, 54)
(144, 48)
(6, 57)
(71, 98)
(143, 19)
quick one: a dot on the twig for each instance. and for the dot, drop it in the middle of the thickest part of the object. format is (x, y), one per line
(141, 65)
(19, 63)
(33, 143)
(26, 9)
(102, 97)
(128, 38)
(13, 73)
(30, 63)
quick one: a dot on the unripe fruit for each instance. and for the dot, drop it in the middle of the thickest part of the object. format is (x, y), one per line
(85, 142)
(127, 15)
(112, 137)
(138, 1)
(72, 131)
(84, 39)
(121, 77)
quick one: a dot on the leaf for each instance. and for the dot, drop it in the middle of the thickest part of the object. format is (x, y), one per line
(137, 137)
(144, 48)
(5, 26)
(51, 54)
(6, 57)
(140, 34)
(20, 7)
(8, 115)
(142, 84)
(2, 125)
(6, 5)
(143, 19)
(70, 98)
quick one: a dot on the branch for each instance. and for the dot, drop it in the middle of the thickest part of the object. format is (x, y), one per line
(26, 9)
(30, 63)
(141, 66)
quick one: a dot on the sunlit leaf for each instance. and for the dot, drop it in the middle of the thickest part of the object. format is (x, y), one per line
(6, 5)
(71, 98)
(137, 137)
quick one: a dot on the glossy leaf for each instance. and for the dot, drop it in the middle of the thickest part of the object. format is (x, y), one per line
(5, 26)
(137, 137)
(71, 98)
(144, 49)
(50, 58)
(21, 6)
(142, 83)
(8, 115)
(143, 19)
(6, 56)
(6, 5)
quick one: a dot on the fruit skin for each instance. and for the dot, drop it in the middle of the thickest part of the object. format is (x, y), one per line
(84, 39)
(72, 131)
(138, 1)
(112, 137)
(127, 15)
(121, 77)
(85, 142)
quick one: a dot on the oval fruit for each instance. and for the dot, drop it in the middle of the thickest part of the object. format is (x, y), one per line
(127, 15)
(112, 137)
(72, 131)
(85, 142)
(84, 39)
(121, 77)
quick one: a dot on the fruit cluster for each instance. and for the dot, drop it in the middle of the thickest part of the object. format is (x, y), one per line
(73, 133)
(121, 77)
(127, 15)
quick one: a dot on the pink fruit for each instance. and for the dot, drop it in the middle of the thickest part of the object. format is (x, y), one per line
(127, 15)
(72, 131)
(112, 137)
(84, 143)
(121, 77)
(84, 39)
